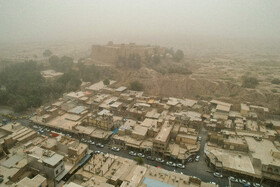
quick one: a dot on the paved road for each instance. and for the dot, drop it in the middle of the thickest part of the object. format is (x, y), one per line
(198, 169)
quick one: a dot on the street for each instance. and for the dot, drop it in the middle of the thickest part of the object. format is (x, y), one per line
(198, 169)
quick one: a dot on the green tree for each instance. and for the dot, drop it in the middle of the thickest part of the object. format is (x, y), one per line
(54, 60)
(106, 82)
(178, 56)
(249, 82)
(47, 53)
(136, 86)
(139, 160)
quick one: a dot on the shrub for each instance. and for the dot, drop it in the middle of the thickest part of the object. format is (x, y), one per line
(249, 82)
(136, 86)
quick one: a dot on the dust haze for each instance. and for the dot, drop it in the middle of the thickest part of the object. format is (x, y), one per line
(191, 25)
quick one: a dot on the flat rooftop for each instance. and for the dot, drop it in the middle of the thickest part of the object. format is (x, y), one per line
(233, 160)
(264, 150)
(99, 85)
(63, 122)
(164, 132)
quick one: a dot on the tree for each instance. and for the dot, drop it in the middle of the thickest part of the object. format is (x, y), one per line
(139, 160)
(54, 60)
(63, 64)
(249, 82)
(106, 82)
(47, 53)
(136, 86)
(178, 56)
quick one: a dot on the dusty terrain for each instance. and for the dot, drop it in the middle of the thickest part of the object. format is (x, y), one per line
(219, 78)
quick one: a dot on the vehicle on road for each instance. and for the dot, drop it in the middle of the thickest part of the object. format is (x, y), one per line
(199, 138)
(92, 142)
(115, 149)
(100, 145)
(150, 158)
(217, 174)
(190, 160)
(181, 166)
(232, 179)
(97, 152)
(257, 185)
(169, 163)
(159, 160)
(197, 158)
(242, 181)
(132, 153)
(213, 183)
(141, 155)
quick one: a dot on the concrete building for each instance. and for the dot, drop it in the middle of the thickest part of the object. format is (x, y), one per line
(161, 141)
(47, 162)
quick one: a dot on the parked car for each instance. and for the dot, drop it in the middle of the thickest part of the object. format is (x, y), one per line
(141, 155)
(116, 149)
(100, 145)
(190, 160)
(181, 166)
(232, 179)
(169, 163)
(213, 183)
(97, 152)
(199, 138)
(242, 181)
(132, 153)
(257, 185)
(216, 174)
(92, 142)
(159, 160)
(150, 158)
(197, 158)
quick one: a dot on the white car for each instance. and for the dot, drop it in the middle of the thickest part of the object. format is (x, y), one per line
(232, 179)
(159, 160)
(141, 155)
(132, 153)
(197, 158)
(216, 174)
(181, 166)
(115, 149)
(257, 185)
(242, 181)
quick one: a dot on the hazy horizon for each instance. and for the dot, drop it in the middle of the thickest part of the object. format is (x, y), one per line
(187, 24)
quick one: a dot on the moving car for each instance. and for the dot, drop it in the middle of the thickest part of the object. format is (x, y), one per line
(216, 174)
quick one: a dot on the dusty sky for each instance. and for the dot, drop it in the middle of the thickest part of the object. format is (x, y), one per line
(137, 20)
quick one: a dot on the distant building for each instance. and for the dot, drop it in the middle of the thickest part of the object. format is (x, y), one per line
(109, 53)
